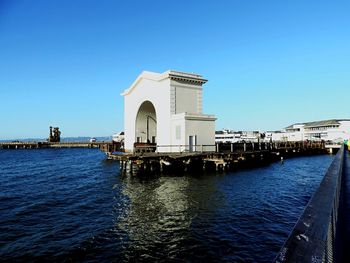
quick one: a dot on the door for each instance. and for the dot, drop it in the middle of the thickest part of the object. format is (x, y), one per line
(192, 143)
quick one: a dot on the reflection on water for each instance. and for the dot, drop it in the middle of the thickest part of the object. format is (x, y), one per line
(160, 214)
(240, 216)
(73, 205)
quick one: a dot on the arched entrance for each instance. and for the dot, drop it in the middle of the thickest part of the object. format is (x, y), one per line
(146, 124)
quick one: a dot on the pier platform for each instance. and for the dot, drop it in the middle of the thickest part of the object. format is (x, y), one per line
(225, 157)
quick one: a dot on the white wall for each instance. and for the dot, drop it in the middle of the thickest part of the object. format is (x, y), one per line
(345, 128)
(187, 100)
(339, 134)
(204, 131)
(178, 132)
(186, 97)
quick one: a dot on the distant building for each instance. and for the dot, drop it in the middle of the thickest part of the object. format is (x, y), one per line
(118, 137)
(336, 130)
(166, 109)
(294, 132)
(229, 136)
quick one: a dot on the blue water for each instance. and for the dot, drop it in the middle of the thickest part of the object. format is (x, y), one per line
(72, 205)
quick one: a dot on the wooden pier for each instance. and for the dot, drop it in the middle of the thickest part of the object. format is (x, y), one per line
(148, 158)
(225, 157)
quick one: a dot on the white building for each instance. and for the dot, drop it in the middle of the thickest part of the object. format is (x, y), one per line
(166, 109)
(292, 133)
(229, 136)
(118, 137)
(336, 130)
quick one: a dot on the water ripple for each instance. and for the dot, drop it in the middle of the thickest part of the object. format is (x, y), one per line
(71, 205)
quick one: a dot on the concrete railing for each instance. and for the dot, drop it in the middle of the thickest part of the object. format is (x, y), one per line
(316, 235)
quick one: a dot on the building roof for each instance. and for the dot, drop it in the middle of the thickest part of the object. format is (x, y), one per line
(318, 123)
(174, 75)
(321, 123)
(292, 126)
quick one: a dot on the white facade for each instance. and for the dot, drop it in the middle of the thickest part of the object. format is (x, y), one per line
(227, 136)
(166, 109)
(118, 137)
(328, 130)
(292, 133)
(331, 130)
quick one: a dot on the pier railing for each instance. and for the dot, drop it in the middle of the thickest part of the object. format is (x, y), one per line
(181, 148)
(316, 235)
(226, 147)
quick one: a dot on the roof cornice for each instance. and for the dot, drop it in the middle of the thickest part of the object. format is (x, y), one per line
(170, 74)
(187, 77)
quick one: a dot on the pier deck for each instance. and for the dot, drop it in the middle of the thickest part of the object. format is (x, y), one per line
(226, 157)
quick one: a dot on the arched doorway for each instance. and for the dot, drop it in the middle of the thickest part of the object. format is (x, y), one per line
(146, 124)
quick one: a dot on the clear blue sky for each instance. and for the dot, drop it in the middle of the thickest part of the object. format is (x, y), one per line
(269, 63)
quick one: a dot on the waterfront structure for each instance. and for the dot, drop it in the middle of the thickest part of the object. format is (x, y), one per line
(165, 109)
(118, 137)
(335, 130)
(229, 136)
(55, 134)
(292, 133)
(225, 157)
